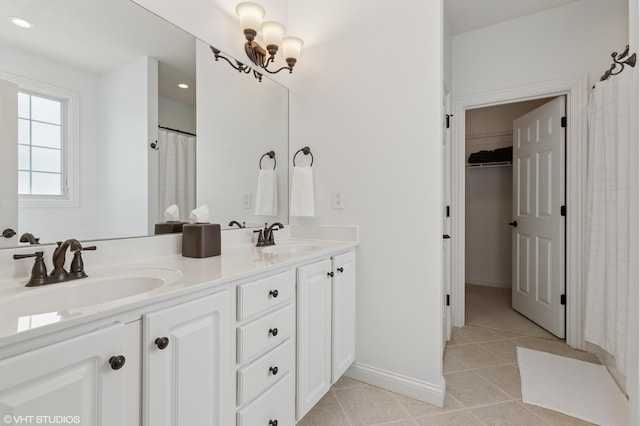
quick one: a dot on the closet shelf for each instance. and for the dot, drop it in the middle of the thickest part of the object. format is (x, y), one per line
(488, 165)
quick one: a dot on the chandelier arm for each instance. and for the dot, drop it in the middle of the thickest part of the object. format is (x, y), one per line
(278, 70)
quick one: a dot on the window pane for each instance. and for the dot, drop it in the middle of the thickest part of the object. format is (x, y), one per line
(23, 157)
(46, 135)
(46, 160)
(24, 131)
(46, 110)
(23, 183)
(23, 105)
(46, 183)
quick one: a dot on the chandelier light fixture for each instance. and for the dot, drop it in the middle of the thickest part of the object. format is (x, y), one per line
(251, 15)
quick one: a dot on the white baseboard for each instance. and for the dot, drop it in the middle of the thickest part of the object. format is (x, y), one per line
(486, 283)
(416, 389)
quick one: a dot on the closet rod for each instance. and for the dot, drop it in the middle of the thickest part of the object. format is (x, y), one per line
(176, 130)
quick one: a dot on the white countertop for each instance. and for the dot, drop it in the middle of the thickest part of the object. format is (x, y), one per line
(236, 263)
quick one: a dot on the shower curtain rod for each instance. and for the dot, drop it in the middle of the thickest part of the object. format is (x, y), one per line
(176, 130)
(619, 60)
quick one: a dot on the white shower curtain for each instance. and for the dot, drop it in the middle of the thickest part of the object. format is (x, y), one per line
(177, 172)
(607, 218)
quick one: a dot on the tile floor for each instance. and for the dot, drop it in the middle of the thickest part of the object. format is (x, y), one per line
(483, 384)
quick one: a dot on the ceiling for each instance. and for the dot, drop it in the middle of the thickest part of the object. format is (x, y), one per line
(468, 15)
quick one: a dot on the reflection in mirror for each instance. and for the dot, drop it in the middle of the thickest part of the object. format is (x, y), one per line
(116, 68)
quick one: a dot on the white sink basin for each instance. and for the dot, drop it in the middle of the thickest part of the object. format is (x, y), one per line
(86, 292)
(289, 248)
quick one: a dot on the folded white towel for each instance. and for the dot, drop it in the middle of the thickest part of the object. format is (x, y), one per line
(172, 213)
(302, 203)
(267, 194)
(200, 215)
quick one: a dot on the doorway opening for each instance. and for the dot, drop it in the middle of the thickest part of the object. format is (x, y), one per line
(575, 92)
(494, 245)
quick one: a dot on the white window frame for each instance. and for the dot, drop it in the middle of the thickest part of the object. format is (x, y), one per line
(70, 126)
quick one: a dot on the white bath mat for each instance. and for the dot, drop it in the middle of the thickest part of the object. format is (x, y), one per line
(576, 388)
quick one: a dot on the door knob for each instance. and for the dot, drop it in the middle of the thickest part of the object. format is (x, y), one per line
(273, 370)
(273, 331)
(514, 223)
(273, 293)
(117, 362)
(162, 342)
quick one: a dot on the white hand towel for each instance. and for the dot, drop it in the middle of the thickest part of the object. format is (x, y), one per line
(302, 203)
(267, 194)
(200, 215)
(172, 213)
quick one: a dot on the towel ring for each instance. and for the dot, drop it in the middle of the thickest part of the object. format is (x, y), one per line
(271, 154)
(306, 151)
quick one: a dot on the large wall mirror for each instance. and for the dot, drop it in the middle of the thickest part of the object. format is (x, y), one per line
(107, 140)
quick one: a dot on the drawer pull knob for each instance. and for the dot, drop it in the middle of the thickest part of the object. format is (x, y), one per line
(273, 423)
(117, 362)
(341, 269)
(162, 342)
(273, 331)
(273, 293)
(330, 274)
(273, 370)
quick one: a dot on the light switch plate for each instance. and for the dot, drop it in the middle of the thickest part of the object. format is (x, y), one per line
(337, 198)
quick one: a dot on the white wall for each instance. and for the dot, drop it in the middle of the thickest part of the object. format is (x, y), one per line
(368, 103)
(129, 100)
(574, 39)
(51, 224)
(8, 165)
(176, 115)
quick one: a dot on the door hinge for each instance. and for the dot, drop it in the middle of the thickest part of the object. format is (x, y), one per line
(563, 122)
(448, 211)
(447, 120)
(563, 299)
(563, 210)
(448, 300)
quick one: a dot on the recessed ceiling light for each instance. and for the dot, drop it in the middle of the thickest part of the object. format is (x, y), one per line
(21, 22)
(183, 86)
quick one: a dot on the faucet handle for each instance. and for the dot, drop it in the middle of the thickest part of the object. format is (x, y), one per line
(261, 241)
(39, 270)
(89, 248)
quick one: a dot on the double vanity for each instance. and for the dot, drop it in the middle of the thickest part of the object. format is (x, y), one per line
(255, 336)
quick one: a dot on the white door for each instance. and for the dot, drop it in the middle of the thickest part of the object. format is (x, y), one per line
(343, 314)
(188, 365)
(8, 161)
(447, 324)
(314, 335)
(77, 381)
(538, 224)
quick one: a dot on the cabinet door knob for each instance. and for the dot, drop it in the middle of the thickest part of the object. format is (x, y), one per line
(162, 342)
(117, 362)
(514, 223)
(273, 423)
(341, 269)
(273, 293)
(330, 274)
(273, 370)
(273, 331)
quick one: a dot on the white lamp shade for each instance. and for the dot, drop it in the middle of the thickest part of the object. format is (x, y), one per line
(272, 33)
(251, 15)
(291, 47)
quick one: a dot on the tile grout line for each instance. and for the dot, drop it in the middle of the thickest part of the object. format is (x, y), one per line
(346, 416)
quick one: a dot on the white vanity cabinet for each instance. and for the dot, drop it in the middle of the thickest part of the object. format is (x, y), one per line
(187, 353)
(265, 337)
(86, 380)
(326, 327)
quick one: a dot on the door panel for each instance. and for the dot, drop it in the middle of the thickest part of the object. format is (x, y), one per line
(539, 237)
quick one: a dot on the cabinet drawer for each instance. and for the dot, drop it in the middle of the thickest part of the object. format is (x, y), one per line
(266, 332)
(260, 295)
(276, 404)
(265, 371)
